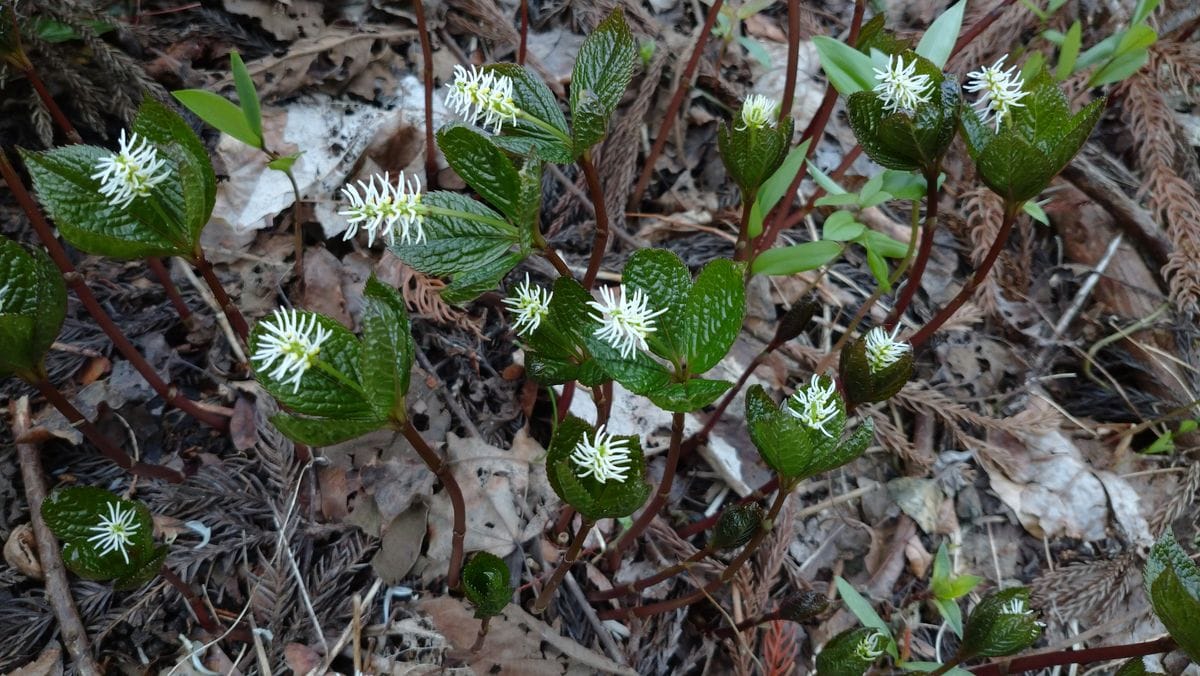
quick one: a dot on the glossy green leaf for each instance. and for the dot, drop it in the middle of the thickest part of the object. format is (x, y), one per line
(485, 582)
(33, 304)
(593, 499)
(143, 570)
(219, 113)
(863, 384)
(469, 285)
(247, 95)
(589, 123)
(773, 189)
(713, 314)
(850, 652)
(736, 525)
(1001, 624)
(794, 450)
(72, 513)
(321, 393)
(752, 154)
(907, 140)
(789, 260)
(484, 166)
(454, 243)
(166, 129)
(388, 349)
(318, 432)
(688, 396)
(555, 351)
(1172, 582)
(1135, 667)
(848, 69)
(874, 35)
(604, 65)
(938, 41)
(664, 278)
(531, 95)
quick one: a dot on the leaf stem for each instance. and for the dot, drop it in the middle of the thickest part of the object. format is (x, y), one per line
(655, 506)
(543, 599)
(232, 313)
(600, 242)
(918, 266)
(441, 469)
(545, 126)
(742, 248)
(74, 280)
(164, 278)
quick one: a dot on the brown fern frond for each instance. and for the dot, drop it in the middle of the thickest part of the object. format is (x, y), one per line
(779, 648)
(1180, 61)
(1004, 33)
(984, 210)
(1180, 500)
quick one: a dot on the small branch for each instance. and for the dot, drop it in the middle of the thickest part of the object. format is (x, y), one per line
(232, 313)
(483, 624)
(636, 586)
(1010, 217)
(600, 242)
(572, 555)
(701, 436)
(793, 59)
(949, 664)
(84, 294)
(431, 169)
(58, 589)
(1086, 656)
(730, 632)
(440, 468)
(918, 266)
(559, 264)
(660, 498)
(164, 278)
(200, 609)
(685, 84)
(524, 32)
(708, 522)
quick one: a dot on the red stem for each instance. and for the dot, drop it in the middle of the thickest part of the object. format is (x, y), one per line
(431, 169)
(638, 585)
(660, 498)
(458, 506)
(164, 278)
(918, 268)
(793, 59)
(600, 242)
(569, 559)
(56, 113)
(93, 307)
(685, 84)
(232, 313)
(524, 32)
(710, 521)
(1086, 656)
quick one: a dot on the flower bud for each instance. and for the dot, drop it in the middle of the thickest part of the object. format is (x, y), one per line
(875, 366)
(1002, 624)
(795, 320)
(485, 581)
(736, 526)
(803, 606)
(851, 652)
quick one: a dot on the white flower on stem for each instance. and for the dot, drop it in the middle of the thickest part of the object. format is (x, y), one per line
(384, 209)
(476, 93)
(1016, 606)
(900, 88)
(290, 344)
(815, 406)
(1001, 91)
(883, 349)
(530, 305)
(871, 646)
(603, 457)
(759, 111)
(115, 531)
(624, 322)
(131, 172)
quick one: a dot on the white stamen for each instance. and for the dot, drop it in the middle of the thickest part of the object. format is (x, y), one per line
(131, 172)
(815, 406)
(115, 531)
(900, 88)
(382, 208)
(624, 323)
(478, 93)
(883, 350)
(759, 111)
(603, 457)
(294, 340)
(530, 305)
(1001, 91)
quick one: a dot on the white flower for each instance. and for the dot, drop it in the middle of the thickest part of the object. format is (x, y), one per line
(603, 457)
(383, 208)
(530, 305)
(759, 111)
(115, 531)
(478, 93)
(1001, 91)
(624, 323)
(871, 647)
(899, 86)
(1015, 606)
(883, 350)
(130, 173)
(294, 340)
(815, 406)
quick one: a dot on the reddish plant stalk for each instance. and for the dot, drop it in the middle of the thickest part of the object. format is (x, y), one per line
(600, 241)
(742, 248)
(441, 470)
(651, 580)
(652, 509)
(569, 559)
(427, 75)
(685, 83)
(793, 59)
(524, 32)
(84, 294)
(232, 313)
(710, 521)
(1086, 656)
(918, 267)
(164, 278)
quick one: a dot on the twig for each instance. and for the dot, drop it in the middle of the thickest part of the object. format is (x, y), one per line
(709, 521)
(164, 278)
(568, 560)
(431, 169)
(918, 266)
(1102, 654)
(58, 589)
(442, 470)
(524, 32)
(226, 303)
(600, 241)
(655, 506)
(631, 588)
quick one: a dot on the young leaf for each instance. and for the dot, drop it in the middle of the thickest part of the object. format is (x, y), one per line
(664, 279)
(318, 432)
(688, 396)
(713, 314)
(604, 65)
(77, 514)
(938, 41)
(218, 112)
(165, 129)
(483, 166)
(848, 69)
(388, 349)
(789, 260)
(247, 96)
(862, 608)
(594, 499)
(773, 188)
(283, 163)
(455, 244)
(531, 95)
(852, 652)
(485, 582)
(1172, 582)
(320, 393)
(840, 226)
(1001, 624)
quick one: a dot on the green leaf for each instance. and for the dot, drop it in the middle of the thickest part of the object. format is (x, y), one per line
(320, 393)
(1172, 582)
(1119, 68)
(949, 610)
(1068, 52)
(143, 570)
(218, 112)
(283, 163)
(1036, 212)
(1135, 667)
(794, 450)
(469, 285)
(556, 350)
(773, 189)
(849, 653)
(457, 243)
(172, 134)
(685, 397)
(1099, 51)
(318, 432)
(861, 607)
(484, 166)
(994, 629)
(848, 69)
(713, 314)
(485, 582)
(247, 96)
(665, 280)
(752, 154)
(604, 65)
(789, 260)
(72, 513)
(33, 304)
(840, 226)
(736, 525)
(938, 41)
(531, 95)
(593, 499)
(907, 140)
(1143, 10)
(388, 349)
(589, 123)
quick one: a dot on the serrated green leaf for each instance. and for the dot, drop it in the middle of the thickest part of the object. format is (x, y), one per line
(789, 260)
(604, 65)
(664, 278)
(469, 285)
(219, 113)
(845, 654)
(142, 571)
(907, 140)
(458, 243)
(589, 123)
(752, 154)
(165, 128)
(318, 432)
(484, 166)
(1135, 667)
(1172, 582)
(247, 95)
(713, 314)
(848, 69)
(593, 499)
(531, 95)
(72, 513)
(689, 396)
(790, 447)
(320, 393)
(33, 304)
(773, 189)
(388, 349)
(938, 41)
(485, 582)
(995, 630)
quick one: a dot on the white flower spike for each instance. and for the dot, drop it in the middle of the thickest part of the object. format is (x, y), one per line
(815, 406)
(624, 323)
(883, 350)
(603, 457)
(385, 209)
(294, 341)
(1016, 606)
(115, 531)
(1001, 91)
(759, 111)
(530, 305)
(131, 172)
(871, 647)
(899, 86)
(478, 94)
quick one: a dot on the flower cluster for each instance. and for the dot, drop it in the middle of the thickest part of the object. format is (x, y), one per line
(603, 457)
(1017, 608)
(900, 87)
(292, 339)
(758, 111)
(816, 406)
(482, 93)
(383, 208)
(871, 646)
(115, 532)
(625, 322)
(130, 172)
(530, 305)
(883, 349)
(1001, 89)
